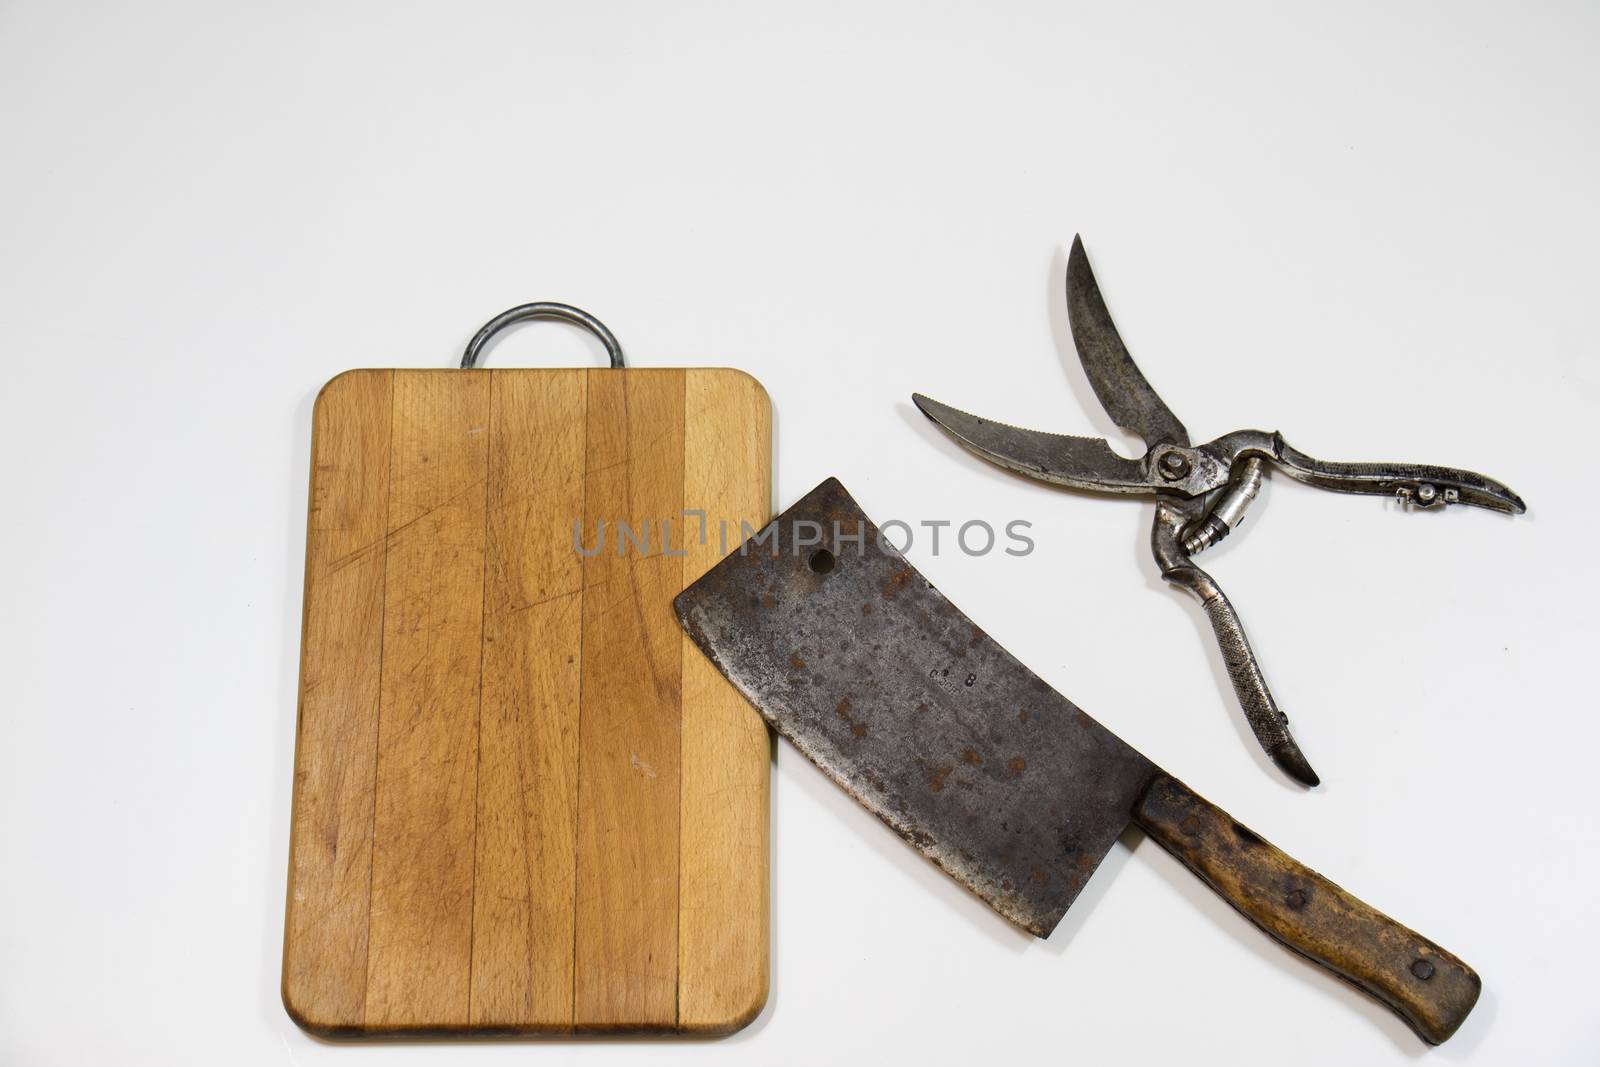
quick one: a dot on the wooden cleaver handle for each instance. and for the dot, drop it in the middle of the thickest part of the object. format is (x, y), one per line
(1428, 987)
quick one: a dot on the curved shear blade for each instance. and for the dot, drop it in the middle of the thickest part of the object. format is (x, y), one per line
(1080, 462)
(1117, 380)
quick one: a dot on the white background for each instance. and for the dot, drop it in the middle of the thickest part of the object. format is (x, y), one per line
(1372, 226)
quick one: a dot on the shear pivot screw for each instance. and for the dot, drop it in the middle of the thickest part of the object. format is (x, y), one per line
(1174, 466)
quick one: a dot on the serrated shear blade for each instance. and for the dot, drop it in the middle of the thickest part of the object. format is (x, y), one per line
(1079, 462)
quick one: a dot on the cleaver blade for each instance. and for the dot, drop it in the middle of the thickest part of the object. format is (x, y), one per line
(855, 658)
(900, 698)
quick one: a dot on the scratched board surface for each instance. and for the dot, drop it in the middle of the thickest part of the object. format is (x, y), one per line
(523, 801)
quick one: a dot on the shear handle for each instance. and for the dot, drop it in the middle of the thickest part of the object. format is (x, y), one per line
(1415, 483)
(1271, 726)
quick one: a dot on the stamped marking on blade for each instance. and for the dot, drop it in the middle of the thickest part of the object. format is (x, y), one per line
(896, 695)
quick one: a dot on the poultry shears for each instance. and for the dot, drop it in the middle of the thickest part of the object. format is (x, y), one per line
(1202, 491)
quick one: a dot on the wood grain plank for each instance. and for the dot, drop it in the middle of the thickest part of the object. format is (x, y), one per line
(727, 749)
(625, 951)
(522, 802)
(330, 851)
(419, 945)
(527, 765)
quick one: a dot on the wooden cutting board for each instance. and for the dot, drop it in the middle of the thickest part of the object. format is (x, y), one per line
(523, 800)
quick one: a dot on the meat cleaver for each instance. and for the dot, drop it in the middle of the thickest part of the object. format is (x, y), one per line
(1004, 783)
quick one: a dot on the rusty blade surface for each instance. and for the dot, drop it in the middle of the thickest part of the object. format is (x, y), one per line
(1079, 462)
(900, 698)
(1118, 382)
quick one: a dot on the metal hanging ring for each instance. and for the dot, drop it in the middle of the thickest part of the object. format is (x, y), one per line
(542, 310)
